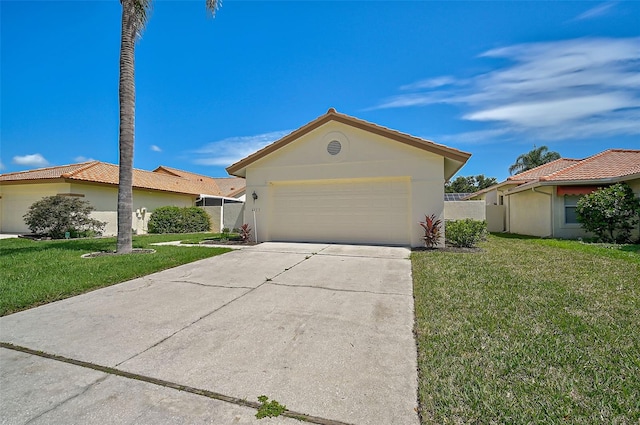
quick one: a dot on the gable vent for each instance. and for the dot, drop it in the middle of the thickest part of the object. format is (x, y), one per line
(334, 147)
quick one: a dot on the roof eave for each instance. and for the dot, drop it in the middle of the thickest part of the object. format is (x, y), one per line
(581, 182)
(605, 180)
(238, 169)
(494, 187)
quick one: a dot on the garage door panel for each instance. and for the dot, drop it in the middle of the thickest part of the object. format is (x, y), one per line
(352, 212)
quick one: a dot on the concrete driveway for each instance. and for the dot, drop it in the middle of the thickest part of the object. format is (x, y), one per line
(324, 329)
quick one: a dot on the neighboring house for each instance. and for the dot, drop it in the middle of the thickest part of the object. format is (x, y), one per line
(344, 180)
(226, 210)
(229, 187)
(542, 201)
(97, 182)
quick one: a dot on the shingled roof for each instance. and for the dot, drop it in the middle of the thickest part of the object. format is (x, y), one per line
(105, 173)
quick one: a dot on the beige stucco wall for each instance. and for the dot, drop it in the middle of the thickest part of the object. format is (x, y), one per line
(364, 155)
(214, 217)
(530, 212)
(459, 210)
(17, 198)
(233, 215)
(496, 218)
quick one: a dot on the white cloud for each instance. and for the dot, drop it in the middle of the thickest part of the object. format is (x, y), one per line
(1, 166)
(475, 137)
(155, 148)
(230, 150)
(82, 159)
(597, 11)
(552, 112)
(34, 160)
(553, 90)
(430, 83)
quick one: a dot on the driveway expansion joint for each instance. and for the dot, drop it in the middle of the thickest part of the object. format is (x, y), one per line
(188, 325)
(206, 285)
(358, 291)
(160, 382)
(267, 280)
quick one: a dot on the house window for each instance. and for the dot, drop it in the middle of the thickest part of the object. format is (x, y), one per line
(570, 215)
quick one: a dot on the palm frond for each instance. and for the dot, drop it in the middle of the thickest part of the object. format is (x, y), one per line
(142, 12)
(213, 6)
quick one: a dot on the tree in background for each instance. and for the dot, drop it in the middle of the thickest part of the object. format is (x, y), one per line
(533, 159)
(610, 213)
(469, 184)
(135, 14)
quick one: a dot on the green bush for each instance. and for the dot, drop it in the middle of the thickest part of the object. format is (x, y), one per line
(179, 220)
(465, 233)
(609, 212)
(53, 216)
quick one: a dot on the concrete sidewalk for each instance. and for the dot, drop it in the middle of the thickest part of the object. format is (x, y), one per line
(324, 329)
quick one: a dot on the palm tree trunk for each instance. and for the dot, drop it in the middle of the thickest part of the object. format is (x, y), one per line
(126, 137)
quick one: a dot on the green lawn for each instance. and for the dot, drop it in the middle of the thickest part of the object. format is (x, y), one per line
(39, 272)
(529, 331)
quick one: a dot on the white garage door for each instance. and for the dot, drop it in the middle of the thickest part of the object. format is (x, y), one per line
(353, 211)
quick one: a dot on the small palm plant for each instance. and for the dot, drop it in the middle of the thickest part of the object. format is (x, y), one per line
(432, 226)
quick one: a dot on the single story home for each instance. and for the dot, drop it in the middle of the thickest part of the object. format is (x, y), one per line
(97, 182)
(542, 201)
(344, 180)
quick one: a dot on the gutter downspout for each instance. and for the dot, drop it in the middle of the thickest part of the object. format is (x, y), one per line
(550, 208)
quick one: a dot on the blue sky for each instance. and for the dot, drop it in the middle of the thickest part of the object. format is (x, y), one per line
(490, 78)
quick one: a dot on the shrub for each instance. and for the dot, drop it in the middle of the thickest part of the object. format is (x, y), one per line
(245, 233)
(609, 212)
(179, 220)
(432, 230)
(465, 233)
(55, 215)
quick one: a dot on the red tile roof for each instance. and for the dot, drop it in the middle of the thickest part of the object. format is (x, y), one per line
(227, 186)
(102, 172)
(607, 166)
(544, 169)
(43, 173)
(610, 164)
